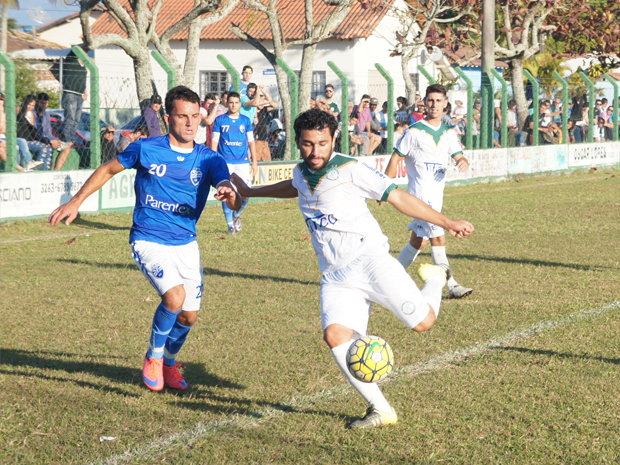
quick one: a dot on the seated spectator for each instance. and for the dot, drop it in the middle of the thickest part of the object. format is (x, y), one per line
(312, 103)
(321, 102)
(599, 130)
(571, 131)
(419, 113)
(609, 123)
(513, 124)
(476, 117)
(108, 149)
(24, 157)
(399, 130)
(382, 118)
(44, 125)
(26, 130)
(356, 137)
(542, 129)
(364, 117)
(445, 118)
(127, 137)
(582, 123)
(402, 114)
(151, 117)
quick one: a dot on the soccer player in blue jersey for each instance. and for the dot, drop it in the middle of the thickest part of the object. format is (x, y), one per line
(173, 179)
(233, 138)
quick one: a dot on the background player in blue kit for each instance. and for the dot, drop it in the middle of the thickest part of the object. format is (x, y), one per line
(233, 138)
(173, 179)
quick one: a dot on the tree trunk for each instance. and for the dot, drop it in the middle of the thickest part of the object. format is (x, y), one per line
(285, 96)
(518, 90)
(3, 39)
(404, 66)
(145, 83)
(305, 77)
(191, 57)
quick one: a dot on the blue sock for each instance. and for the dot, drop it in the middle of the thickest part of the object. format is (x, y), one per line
(228, 213)
(243, 204)
(163, 321)
(175, 341)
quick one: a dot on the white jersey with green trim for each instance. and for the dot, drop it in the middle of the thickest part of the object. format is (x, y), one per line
(427, 150)
(333, 202)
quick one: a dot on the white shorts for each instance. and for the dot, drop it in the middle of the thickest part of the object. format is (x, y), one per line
(167, 266)
(243, 171)
(347, 294)
(425, 229)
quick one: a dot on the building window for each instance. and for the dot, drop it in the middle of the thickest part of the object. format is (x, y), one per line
(213, 81)
(318, 83)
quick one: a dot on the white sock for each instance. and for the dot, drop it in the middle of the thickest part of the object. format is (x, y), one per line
(407, 255)
(369, 391)
(438, 253)
(432, 290)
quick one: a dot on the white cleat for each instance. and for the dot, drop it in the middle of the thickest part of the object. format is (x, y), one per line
(458, 292)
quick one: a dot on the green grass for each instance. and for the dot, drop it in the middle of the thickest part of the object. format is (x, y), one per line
(76, 317)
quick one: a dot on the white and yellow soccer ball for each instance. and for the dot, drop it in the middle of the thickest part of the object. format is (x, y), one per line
(370, 359)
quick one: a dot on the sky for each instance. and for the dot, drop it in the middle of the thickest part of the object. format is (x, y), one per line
(55, 11)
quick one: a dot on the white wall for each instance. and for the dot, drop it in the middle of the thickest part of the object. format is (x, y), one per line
(69, 33)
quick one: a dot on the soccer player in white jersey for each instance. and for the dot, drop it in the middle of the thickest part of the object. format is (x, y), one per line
(173, 179)
(427, 147)
(352, 251)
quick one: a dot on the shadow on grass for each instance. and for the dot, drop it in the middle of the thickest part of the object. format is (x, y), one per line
(80, 221)
(522, 261)
(119, 374)
(119, 266)
(260, 277)
(551, 353)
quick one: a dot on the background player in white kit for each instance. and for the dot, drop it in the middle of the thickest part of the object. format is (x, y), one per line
(352, 251)
(427, 147)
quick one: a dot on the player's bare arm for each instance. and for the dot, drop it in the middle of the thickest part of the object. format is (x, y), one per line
(226, 193)
(280, 190)
(461, 162)
(392, 166)
(414, 207)
(96, 181)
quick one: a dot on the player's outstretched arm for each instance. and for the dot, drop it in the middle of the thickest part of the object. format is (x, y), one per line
(392, 167)
(280, 190)
(414, 207)
(96, 181)
(227, 193)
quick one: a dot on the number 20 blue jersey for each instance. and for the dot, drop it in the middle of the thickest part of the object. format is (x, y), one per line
(171, 188)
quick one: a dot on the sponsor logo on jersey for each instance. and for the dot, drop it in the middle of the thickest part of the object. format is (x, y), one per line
(333, 173)
(180, 158)
(233, 143)
(182, 210)
(435, 167)
(407, 308)
(195, 176)
(157, 270)
(320, 222)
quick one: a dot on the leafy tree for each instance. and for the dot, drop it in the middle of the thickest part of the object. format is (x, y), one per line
(26, 83)
(542, 66)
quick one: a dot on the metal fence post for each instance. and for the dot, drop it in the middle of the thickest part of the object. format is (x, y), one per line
(390, 108)
(172, 75)
(294, 105)
(344, 111)
(236, 84)
(470, 108)
(613, 82)
(95, 126)
(11, 117)
(427, 75)
(590, 105)
(535, 103)
(502, 81)
(562, 81)
(486, 110)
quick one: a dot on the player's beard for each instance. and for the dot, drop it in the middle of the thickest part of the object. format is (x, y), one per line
(325, 160)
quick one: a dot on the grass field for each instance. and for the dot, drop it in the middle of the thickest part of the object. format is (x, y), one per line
(524, 371)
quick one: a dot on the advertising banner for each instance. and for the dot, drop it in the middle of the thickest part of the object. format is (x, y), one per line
(605, 153)
(40, 192)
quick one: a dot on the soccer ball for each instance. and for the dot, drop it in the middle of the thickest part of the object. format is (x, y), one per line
(370, 359)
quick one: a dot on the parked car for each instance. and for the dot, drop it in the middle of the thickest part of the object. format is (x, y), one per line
(57, 118)
(130, 126)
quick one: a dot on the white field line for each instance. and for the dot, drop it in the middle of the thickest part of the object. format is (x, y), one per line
(441, 362)
(61, 236)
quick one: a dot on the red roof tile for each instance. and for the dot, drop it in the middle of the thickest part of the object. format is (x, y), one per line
(361, 21)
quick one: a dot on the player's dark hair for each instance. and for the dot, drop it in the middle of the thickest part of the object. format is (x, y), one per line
(180, 93)
(143, 129)
(315, 119)
(233, 94)
(436, 89)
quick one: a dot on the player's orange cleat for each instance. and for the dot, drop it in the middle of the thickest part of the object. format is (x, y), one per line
(152, 373)
(173, 378)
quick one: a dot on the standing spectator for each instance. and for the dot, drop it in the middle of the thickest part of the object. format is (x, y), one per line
(542, 128)
(375, 124)
(382, 118)
(603, 109)
(209, 110)
(74, 93)
(321, 102)
(402, 114)
(312, 103)
(224, 101)
(476, 118)
(246, 75)
(250, 102)
(233, 139)
(266, 112)
(364, 116)
(26, 130)
(356, 137)
(556, 111)
(128, 137)
(43, 124)
(150, 115)
(329, 99)
(581, 125)
(599, 130)
(419, 113)
(571, 131)
(513, 125)
(459, 116)
(108, 149)
(446, 119)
